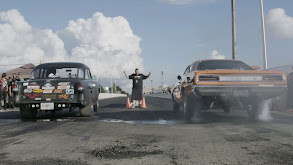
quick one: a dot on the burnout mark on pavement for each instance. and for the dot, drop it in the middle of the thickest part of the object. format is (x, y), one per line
(123, 152)
(141, 122)
(133, 146)
(10, 120)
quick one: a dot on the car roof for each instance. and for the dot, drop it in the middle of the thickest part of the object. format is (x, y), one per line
(218, 60)
(63, 64)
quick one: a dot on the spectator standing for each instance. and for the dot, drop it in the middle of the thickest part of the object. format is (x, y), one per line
(14, 77)
(19, 77)
(10, 85)
(3, 90)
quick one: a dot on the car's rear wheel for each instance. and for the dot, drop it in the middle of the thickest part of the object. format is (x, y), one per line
(227, 108)
(191, 107)
(254, 110)
(27, 113)
(87, 111)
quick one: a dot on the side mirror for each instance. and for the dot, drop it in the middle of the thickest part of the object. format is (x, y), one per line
(255, 67)
(179, 78)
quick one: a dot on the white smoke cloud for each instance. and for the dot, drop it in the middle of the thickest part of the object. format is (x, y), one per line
(216, 55)
(279, 23)
(90, 40)
(20, 43)
(184, 2)
(264, 109)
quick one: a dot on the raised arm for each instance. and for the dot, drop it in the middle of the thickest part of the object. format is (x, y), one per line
(126, 74)
(149, 74)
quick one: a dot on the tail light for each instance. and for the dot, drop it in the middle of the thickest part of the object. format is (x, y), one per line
(80, 86)
(208, 78)
(273, 78)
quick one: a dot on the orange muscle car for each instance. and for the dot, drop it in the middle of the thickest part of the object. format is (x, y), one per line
(222, 84)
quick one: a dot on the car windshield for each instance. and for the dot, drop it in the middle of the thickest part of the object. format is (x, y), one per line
(53, 72)
(222, 64)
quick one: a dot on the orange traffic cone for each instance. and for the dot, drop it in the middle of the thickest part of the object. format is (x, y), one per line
(128, 103)
(143, 103)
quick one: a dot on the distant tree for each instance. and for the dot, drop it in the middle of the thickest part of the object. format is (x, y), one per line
(114, 88)
(102, 89)
(121, 91)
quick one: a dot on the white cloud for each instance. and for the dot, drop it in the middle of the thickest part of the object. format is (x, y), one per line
(211, 55)
(279, 23)
(97, 33)
(20, 43)
(216, 55)
(184, 2)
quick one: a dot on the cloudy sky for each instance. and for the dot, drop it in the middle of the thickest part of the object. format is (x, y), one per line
(153, 35)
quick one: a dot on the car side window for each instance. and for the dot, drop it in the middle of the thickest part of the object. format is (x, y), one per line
(88, 74)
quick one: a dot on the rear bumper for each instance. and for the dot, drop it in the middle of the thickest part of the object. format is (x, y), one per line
(57, 105)
(262, 91)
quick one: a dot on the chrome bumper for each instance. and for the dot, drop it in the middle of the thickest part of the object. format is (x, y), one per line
(264, 91)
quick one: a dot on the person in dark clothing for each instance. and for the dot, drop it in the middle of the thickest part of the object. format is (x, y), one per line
(137, 79)
(10, 85)
(14, 78)
(3, 90)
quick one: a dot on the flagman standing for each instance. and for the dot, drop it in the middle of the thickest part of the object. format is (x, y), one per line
(137, 85)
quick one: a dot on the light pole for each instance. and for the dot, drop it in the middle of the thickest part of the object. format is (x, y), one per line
(264, 43)
(162, 78)
(151, 86)
(233, 30)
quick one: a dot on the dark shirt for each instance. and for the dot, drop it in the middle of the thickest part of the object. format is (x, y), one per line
(137, 80)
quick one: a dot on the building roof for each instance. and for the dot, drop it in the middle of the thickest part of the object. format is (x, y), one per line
(25, 70)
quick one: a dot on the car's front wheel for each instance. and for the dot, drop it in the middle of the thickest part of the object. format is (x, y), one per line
(96, 106)
(176, 107)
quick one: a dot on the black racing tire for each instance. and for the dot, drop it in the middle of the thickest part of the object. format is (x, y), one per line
(191, 107)
(253, 110)
(96, 106)
(27, 113)
(176, 107)
(87, 111)
(227, 108)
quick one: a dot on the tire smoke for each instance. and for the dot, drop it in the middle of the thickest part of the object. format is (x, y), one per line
(264, 110)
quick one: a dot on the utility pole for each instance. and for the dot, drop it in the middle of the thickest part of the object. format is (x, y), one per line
(233, 31)
(162, 78)
(111, 85)
(151, 86)
(264, 42)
